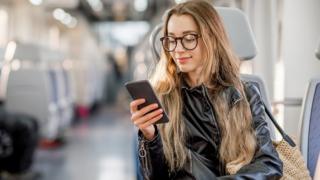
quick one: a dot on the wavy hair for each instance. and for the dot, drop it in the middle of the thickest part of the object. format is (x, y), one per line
(220, 71)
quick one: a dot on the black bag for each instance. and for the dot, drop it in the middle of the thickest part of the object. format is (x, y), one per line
(18, 141)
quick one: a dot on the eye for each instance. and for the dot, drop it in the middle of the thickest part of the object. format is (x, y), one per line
(189, 37)
(170, 39)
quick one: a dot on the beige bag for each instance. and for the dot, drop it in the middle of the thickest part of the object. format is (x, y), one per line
(294, 166)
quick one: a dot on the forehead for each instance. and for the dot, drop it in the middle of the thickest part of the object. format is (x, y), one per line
(180, 24)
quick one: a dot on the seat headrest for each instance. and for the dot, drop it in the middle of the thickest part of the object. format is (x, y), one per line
(239, 32)
(238, 29)
(31, 52)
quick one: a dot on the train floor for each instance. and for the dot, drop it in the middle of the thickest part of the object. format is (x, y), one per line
(98, 148)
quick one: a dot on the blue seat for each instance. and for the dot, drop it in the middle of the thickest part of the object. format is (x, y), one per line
(310, 123)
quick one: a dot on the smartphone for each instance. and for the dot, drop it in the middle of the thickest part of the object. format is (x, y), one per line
(143, 89)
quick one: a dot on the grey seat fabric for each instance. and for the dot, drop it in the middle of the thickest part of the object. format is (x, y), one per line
(242, 41)
(310, 125)
(37, 87)
(239, 32)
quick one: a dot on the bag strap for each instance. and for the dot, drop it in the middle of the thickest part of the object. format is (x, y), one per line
(283, 134)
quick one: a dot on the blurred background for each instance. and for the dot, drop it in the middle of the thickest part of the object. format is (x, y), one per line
(64, 63)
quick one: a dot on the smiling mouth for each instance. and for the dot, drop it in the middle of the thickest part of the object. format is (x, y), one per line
(183, 59)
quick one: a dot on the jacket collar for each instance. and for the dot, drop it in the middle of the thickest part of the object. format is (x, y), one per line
(185, 85)
(233, 94)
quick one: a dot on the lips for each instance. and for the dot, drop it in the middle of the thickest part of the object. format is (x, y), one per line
(183, 59)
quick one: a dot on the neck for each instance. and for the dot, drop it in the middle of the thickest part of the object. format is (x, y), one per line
(194, 78)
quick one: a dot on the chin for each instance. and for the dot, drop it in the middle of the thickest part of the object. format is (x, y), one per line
(184, 70)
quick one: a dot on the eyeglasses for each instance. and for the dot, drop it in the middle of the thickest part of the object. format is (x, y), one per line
(188, 41)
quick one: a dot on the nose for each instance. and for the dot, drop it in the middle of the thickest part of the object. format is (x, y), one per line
(179, 47)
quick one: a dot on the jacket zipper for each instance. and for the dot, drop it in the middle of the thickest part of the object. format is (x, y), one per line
(211, 106)
(219, 135)
(143, 155)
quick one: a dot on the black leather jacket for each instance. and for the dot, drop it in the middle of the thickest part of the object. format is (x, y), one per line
(204, 138)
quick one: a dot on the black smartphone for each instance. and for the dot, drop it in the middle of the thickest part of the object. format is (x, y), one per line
(143, 89)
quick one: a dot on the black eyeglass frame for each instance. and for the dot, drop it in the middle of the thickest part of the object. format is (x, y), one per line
(197, 36)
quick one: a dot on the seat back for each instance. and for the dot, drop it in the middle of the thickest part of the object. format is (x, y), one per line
(310, 122)
(243, 43)
(30, 88)
(310, 125)
(258, 82)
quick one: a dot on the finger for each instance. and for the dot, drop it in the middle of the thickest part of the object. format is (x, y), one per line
(144, 111)
(152, 121)
(134, 104)
(148, 116)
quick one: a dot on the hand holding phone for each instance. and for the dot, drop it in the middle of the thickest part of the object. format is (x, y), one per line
(143, 90)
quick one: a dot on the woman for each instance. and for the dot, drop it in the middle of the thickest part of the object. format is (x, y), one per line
(217, 127)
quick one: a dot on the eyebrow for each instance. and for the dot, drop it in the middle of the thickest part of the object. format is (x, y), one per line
(184, 32)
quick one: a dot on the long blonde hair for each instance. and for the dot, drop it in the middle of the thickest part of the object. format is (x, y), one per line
(221, 70)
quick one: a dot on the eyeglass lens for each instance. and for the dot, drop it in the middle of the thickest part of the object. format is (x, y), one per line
(188, 41)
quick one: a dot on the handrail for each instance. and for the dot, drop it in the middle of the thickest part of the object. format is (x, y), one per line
(288, 102)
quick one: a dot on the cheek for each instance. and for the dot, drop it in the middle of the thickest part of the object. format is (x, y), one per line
(172, 59)
(172, 55)
(199, 52)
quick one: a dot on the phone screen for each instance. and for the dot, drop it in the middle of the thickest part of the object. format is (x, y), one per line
(143, 89)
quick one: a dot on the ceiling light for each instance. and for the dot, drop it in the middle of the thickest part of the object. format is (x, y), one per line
(73, 23)
(36, 2)
(179, 1)
(58, 14)
(96, 5)
(140, 5)
(67, 19)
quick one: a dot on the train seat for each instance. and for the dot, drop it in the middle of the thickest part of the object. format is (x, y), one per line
(31, 86)
(310, 123)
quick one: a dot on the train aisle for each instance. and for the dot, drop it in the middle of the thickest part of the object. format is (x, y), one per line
(99, 148)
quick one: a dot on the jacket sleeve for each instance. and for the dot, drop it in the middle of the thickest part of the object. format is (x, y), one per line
(152, 161)
(266, 163)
